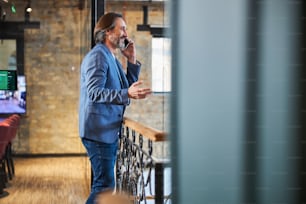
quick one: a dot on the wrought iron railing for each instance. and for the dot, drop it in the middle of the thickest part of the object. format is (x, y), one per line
(136, 163)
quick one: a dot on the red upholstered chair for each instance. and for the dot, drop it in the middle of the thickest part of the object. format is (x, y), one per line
(8, 131)
(4, 139)
(15, 127)
(13, 123)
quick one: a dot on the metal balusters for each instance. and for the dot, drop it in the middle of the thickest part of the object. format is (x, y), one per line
(134, 168)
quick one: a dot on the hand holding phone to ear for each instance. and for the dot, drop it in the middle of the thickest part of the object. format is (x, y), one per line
(129, 50)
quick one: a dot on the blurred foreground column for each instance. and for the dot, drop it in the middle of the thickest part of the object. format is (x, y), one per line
(238, 101)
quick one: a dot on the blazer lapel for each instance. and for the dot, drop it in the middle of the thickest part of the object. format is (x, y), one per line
(122, 76)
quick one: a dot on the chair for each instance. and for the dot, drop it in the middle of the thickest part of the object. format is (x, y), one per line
(4, 135)
(13, 123)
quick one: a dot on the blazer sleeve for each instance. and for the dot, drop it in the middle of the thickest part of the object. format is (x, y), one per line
(99, 91)
(133, 71)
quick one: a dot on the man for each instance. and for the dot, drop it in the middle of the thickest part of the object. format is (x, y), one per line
(105, 90)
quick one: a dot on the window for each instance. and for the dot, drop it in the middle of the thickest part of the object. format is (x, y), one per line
(161, 64)
(8, 54)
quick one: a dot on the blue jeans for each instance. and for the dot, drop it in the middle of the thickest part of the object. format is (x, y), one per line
(102, 158)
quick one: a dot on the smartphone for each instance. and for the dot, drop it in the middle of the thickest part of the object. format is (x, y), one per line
(126, 43)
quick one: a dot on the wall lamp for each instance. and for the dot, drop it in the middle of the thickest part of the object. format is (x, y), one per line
(3, 14)
(27, 12)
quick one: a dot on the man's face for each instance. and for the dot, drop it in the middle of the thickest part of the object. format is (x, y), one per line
(117, 35)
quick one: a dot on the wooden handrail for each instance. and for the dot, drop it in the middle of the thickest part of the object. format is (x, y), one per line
(150, 133)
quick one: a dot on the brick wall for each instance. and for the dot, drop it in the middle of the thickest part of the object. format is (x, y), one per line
(53, 55)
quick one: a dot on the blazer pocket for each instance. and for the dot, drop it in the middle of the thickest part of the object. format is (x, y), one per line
(99, 109)
(102, 118)
(102, 121)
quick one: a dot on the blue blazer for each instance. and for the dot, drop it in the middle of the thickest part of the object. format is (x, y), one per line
(103, 94)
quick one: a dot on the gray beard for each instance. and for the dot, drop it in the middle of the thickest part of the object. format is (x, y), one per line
(118, 43)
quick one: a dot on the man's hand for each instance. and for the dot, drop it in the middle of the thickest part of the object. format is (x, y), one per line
(135, 92)
(130, 52)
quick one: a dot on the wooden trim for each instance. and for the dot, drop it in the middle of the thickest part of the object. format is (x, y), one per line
(148, 132)
(26, 155)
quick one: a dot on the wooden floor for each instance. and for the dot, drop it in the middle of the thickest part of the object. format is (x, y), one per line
(49, 180)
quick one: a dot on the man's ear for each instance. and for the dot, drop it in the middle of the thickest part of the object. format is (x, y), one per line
(107, 31)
